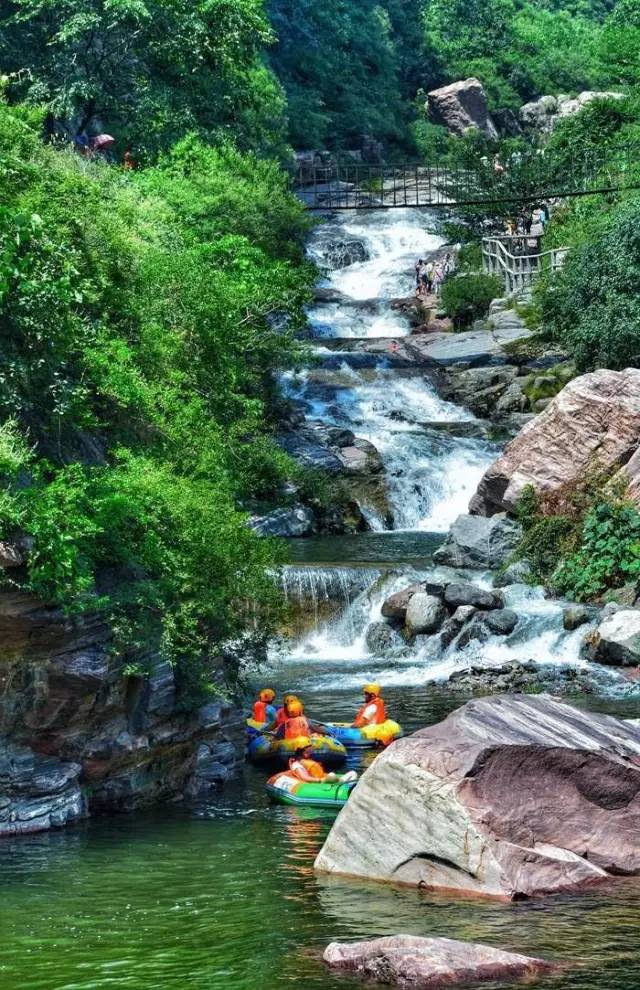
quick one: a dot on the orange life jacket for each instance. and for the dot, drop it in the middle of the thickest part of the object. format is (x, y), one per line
(281, 717)
(260, 711)
(379, 717)
(295, 727)
(312, 767)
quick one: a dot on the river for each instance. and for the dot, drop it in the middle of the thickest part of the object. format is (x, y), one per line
(224, 895)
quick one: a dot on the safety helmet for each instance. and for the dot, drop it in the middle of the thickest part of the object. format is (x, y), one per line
(288, 698)
(295, 708)
(267, 694)
(372, 689)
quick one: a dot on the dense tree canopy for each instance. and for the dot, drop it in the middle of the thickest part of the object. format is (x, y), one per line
(147, 70)
(143, 316)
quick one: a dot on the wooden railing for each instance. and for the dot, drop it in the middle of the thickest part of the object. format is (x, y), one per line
(518, 261)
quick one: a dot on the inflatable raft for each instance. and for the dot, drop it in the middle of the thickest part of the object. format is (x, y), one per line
(265, 749)
(287, 789)
(367, 736)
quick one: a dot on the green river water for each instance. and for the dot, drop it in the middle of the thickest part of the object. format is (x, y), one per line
(224, 896)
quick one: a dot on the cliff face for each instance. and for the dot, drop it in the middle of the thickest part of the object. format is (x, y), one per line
(78, 737)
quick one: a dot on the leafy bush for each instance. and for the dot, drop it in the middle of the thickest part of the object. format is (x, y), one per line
(581, 540)
(608, 555)
(467, 297)
(591, 306)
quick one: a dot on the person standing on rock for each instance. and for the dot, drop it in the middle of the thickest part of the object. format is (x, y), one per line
(419, 265)
(438, 278)
(426, 275)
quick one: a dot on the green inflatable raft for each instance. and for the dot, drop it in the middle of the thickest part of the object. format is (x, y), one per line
(285, 788)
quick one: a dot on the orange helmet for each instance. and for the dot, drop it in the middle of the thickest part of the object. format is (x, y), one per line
(288, 698)
(295, 708)
(267, 694)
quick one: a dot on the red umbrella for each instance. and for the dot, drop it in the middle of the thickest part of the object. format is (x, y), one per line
(102, 141)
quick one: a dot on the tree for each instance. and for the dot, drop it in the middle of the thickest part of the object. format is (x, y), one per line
(147, 70)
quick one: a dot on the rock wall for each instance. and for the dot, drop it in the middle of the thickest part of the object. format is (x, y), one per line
(79, 737)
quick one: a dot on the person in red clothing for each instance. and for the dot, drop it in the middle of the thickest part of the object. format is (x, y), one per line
(373, 712)
(264, 709)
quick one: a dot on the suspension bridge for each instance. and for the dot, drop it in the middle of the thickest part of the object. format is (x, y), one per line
(483, 182)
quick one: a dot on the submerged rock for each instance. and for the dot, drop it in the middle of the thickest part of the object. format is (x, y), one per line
(474, 541)
(511, 796)
(382, 638)
(298, 520)
(501, 622)
(408, 960)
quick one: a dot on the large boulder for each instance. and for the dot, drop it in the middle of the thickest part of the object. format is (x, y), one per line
(616, 641)
(409, 960)
(593, 424)
(477, 542)
(460, 107)
(511, 796)
(542, 115)
(395, 606)
(425, 614)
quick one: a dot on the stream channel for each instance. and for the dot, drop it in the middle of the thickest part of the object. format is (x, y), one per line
(224, 895)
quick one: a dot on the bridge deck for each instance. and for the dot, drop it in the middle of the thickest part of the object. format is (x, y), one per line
(354, 186)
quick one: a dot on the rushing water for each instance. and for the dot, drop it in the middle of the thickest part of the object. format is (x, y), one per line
(223, 896)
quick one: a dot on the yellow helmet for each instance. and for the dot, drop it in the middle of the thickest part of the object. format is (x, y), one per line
(288, 698)
(301, 742)
(295, 708)
(267, 694)
(372, 689)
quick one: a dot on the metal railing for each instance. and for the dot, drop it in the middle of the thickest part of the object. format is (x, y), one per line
(518, 261)
(344, 184)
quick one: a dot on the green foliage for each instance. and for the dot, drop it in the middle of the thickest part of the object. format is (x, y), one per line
(147, 70)
(349, 68)
(518, 49)
(608, 555)
(467, 297)
(591, 306)
(143, 315)
(583, 540)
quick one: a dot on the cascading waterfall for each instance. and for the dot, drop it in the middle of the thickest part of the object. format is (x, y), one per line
(430, 475)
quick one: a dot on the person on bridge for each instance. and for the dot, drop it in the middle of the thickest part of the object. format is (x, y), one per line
(304, 767)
